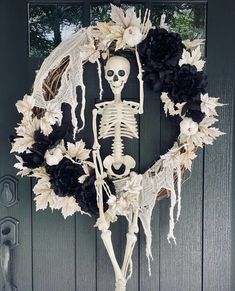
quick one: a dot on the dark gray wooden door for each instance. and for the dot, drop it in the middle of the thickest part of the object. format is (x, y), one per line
(56, 254)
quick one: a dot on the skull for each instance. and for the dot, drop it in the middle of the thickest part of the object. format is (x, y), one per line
(117, 71)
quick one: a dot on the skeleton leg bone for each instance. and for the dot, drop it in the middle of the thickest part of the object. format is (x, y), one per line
(103, 225)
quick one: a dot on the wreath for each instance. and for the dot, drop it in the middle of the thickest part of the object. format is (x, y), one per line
(71, 177)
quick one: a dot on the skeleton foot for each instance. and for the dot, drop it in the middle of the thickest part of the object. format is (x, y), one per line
(110, 162)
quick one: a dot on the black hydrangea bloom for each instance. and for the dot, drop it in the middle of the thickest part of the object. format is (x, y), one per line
(64, 177)
(160, 52)
(86, 198)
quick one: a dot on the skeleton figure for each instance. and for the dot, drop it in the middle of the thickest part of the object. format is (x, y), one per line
(117, 121)
(118, 117)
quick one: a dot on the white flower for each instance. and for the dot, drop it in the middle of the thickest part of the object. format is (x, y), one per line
(209, 104)
(78, 150)
(54, 156)
(26, 105)
(132, 36)
(188, 127)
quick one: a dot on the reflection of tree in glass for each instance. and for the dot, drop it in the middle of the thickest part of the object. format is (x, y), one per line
(101, 12)
(50, 24)
(187, 19)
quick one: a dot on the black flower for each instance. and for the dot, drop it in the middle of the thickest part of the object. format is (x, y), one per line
(33, 159)
(193, 110)
(64, 177)
(188, 84)
(159, 52)
(86, 198)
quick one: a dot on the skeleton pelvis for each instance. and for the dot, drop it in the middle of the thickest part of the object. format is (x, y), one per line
(110, 163)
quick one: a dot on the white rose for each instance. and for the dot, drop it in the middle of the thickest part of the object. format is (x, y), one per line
(53, 157)
(132, 36)
(188, 126)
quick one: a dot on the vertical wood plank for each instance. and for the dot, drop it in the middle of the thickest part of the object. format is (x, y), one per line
(180, 265)
(85, 231)
(217, 236)
(53, 251)
(149, 152)
(13, 85)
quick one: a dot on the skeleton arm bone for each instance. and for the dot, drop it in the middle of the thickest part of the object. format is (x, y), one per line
(140, 77)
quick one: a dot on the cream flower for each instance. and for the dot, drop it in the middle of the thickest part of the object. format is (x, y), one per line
(54, 156)
(188, 126)
(132, 36)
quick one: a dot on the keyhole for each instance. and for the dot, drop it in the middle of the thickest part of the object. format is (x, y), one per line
(6, 193)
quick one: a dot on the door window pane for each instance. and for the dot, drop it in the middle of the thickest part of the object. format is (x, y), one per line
(49, 24)
(101, 12)
(187, 19)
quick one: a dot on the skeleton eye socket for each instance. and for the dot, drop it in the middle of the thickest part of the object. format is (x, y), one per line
(121, 73)
(110, 73)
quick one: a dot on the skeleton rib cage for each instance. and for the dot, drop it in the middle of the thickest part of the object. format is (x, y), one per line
(118, 115)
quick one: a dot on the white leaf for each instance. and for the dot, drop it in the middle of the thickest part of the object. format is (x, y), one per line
(131, 19)
(68, 206)
(21, 144)
(194, 43)
(186, 159)
(169, 106)
(26, 105)
(78, 150)
(44, 194)
(117, 15)
(210, 134)
(192, 58)
(42, 201)
(209, 104)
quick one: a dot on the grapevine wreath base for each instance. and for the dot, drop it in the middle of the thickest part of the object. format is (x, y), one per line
(71, 177)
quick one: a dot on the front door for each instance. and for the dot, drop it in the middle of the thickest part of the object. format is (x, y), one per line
(53, 254)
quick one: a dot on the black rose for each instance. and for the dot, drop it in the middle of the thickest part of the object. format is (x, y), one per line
(86, 198)
(64, 177)
(159, 52)
(188, 84)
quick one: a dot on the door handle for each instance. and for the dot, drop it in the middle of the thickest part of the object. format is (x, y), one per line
(8, 241)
